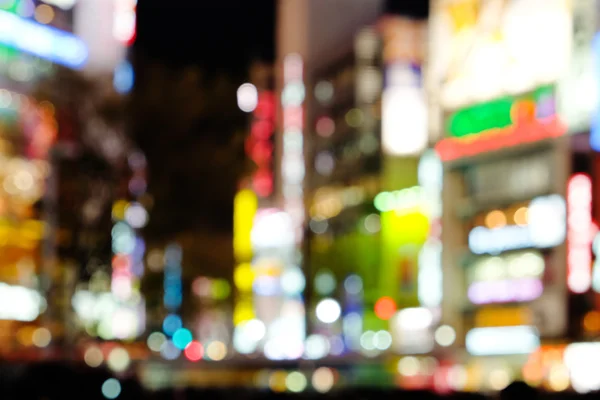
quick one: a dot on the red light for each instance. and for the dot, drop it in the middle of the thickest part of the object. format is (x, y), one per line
(265, 109)
(262, 183)
(121, 262)
(385, 308)
(262, 129)
(454, 148)
(194, 351)
(262, 152)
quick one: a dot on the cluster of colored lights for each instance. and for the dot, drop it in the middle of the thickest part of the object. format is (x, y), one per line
(259, 145)
(129, 247)
(540, 225)
(176, 338)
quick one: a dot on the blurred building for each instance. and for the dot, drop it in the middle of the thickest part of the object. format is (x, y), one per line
(517, 273)
(59, 141)
(30, 128)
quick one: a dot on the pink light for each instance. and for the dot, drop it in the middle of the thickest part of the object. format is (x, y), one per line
(580, 229)
(507, 291)
(293, 67)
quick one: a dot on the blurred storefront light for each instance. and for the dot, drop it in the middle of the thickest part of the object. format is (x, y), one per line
(19, 303)
(502, 340)
(581, 360)
(404, 112)
(505, 291)
(545, 227)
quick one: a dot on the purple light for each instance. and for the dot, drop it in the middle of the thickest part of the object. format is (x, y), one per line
(507, 291)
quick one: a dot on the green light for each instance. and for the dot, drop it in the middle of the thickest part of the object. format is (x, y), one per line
(220, 289)
(495, 114)
(384, 201)
(481, 117)
(400, 199)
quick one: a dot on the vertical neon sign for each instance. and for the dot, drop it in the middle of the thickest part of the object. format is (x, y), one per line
(292, 163)
(579, 233)
(260, 144)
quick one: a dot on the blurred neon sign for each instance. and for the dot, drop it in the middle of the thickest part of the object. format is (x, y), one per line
(506, 291)
(42, 41)
(580, 233)
(259, 145)
(502, 340)
(501, 316)
(501, 113)
(527, 264)
(292, 163)
(502, 123)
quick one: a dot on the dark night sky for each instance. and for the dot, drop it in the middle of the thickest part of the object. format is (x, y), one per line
(225, 34)
(220, 33)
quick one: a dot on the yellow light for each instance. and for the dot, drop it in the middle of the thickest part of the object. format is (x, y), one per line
(118, 210)
(499, 378)
(244, 311)
(495, 219)
(277, 381)
(32, 230)
(216, 351)
(520, 216)
(245, 206)
(558, 378)
(243, 277)
(511, 316)
(44, 14)
(41, 337)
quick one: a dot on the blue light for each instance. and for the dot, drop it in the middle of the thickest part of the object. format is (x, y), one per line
(181, 338)
(169, 351)
(124, 78)
(42, 41)
(595, 125)
(171, 324)
(172, 300)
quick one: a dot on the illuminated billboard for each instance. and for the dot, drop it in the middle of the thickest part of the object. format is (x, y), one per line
(485, 50)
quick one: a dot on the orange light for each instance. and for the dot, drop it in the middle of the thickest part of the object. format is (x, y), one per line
(121, 262)
(591, 322)
(495, 219)
(385, 308)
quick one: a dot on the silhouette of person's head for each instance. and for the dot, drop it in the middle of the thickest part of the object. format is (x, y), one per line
(518, 390)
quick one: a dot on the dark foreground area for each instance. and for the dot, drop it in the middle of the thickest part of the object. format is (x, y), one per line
(59, 381)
